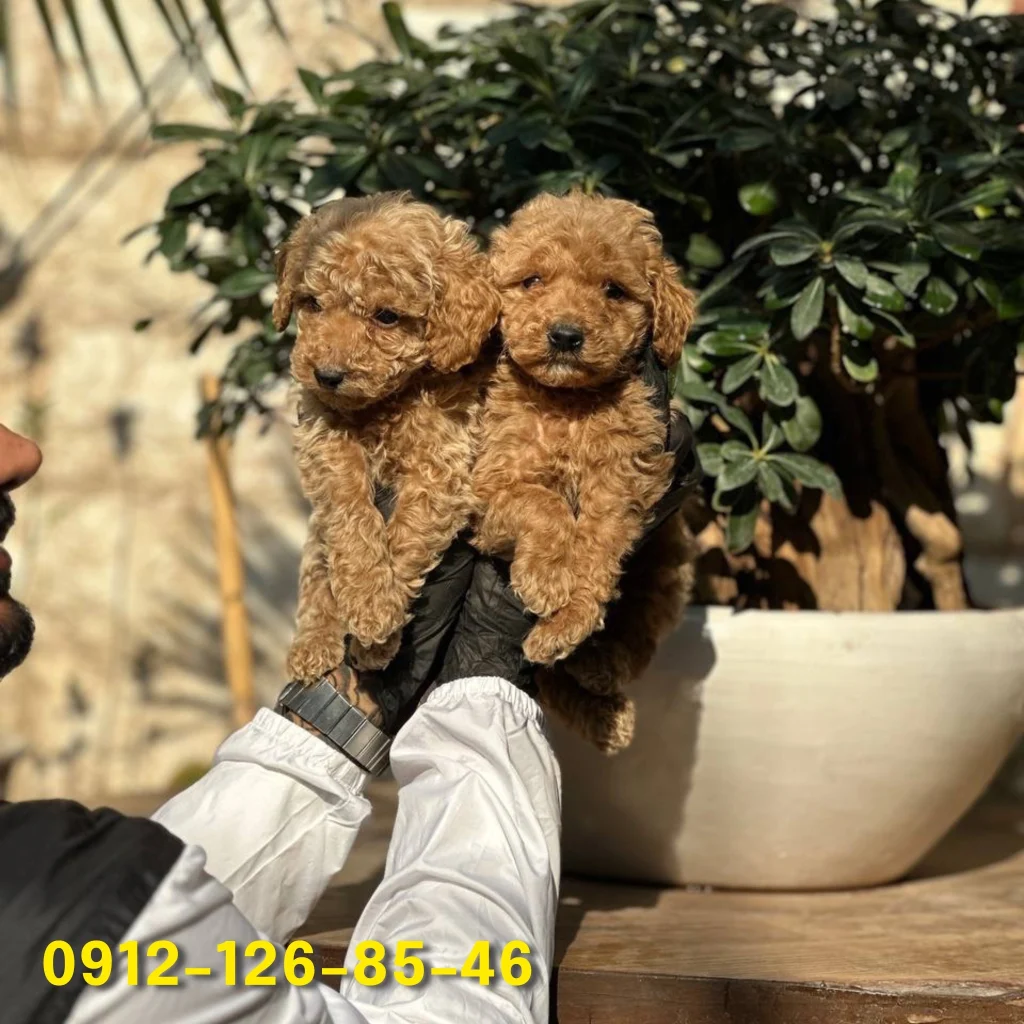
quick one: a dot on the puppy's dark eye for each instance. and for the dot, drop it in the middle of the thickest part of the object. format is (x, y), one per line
(614, 290)
(529, 282)
(310, 303)
(387, 317)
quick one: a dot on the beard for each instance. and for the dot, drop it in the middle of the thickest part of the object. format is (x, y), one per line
(16, 632)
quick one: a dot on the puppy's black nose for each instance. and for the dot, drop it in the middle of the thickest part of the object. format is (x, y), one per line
(329, 378)
(565, 337)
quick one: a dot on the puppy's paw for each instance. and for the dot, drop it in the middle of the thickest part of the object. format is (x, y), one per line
(367, 657)
(598, 667)
(377, 613)
(543, 584)
(314, 654)
(557, 637)
(611, 723)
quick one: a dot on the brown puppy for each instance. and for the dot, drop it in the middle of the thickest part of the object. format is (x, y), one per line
(573, 456)
(393, 301)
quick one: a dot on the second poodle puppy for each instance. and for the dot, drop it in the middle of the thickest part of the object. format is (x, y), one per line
(394, 304)
(573, 457)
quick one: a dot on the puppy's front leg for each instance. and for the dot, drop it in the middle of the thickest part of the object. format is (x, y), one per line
(319, 642)
(613, 505)
(359, 568)
(531, 522)
(432, 505)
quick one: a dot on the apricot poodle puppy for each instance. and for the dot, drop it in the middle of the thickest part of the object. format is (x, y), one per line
(394, 304)
(573, 454)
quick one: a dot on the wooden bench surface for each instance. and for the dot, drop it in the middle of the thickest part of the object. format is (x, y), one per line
(945, 946)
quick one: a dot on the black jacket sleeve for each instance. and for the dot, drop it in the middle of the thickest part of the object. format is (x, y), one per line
(70, 873)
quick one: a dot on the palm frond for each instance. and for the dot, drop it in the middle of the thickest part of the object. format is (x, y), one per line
(110, 8)
(71, 11)
(6, 54)
(184, 29)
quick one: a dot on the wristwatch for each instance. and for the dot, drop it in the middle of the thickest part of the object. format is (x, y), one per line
(341, 724)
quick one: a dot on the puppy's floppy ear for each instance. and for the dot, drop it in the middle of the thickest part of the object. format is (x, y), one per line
(673, 310)
(289, 264)
(467, 309)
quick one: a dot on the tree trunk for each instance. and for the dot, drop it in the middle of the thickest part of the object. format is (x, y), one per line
(891, 542)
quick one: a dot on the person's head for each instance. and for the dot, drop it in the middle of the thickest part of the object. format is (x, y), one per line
(19, 460)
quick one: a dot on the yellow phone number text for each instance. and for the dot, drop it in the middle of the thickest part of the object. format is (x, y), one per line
(96, 959)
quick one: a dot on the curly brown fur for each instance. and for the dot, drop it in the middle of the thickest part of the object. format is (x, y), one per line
(394, 302)
(573, 457)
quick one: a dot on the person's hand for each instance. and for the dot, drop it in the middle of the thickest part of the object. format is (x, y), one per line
(493, 623)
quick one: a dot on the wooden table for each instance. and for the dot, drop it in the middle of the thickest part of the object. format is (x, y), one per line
(945, 946)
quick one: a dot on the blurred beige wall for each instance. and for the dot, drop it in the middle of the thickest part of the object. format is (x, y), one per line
(113, 548)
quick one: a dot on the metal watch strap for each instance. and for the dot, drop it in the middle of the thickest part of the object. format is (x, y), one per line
(327, 711)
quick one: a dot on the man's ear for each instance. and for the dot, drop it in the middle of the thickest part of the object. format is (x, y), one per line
(673, 309)
(468, 307)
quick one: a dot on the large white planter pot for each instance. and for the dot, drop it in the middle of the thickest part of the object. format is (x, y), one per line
(798, 750)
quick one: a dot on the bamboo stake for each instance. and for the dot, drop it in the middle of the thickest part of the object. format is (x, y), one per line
(237, 647)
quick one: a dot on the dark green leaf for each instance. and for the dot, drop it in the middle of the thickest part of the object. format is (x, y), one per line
(759, 199)
(245, 282)
(808, 471)
(806, 313)
(959, 241)
(725, 343)
(195, 187)
(939, 297)
(778, 385)
(173, 234)
(710, 456)
(738, 418)
(839, 93)
(230, 99)
(190, 133)
(736, 474)
(910, 275)
(803, 428)
(787, 254)
(853, 270)
(853, 323)
(740, 372)
(895, 139)
(744, 140)
(313, 84)
(723, 279)
(771, 483)
(703, 251)
(884, 294)
(740, 527)
(859, 361)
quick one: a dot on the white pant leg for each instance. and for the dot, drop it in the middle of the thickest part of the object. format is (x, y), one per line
(277, 815)
(474, 856)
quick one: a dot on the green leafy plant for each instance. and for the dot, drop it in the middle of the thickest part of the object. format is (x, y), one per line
(846, 195)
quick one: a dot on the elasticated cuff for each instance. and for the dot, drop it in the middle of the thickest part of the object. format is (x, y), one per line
(274, 742)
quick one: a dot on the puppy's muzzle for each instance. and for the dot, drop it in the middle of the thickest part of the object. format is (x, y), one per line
(330, 378)
(564, 337)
